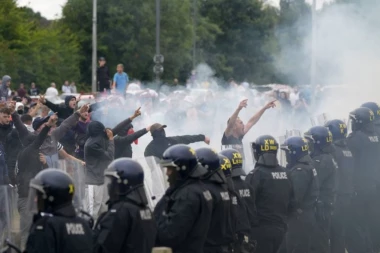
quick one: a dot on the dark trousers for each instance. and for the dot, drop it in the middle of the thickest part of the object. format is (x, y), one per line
(358, 239)
(339, 222)
(298, 236)
(268, 238)
(321, 236)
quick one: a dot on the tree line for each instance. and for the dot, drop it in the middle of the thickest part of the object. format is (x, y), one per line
(240, 39)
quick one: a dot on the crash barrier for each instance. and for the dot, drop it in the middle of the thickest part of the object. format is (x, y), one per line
(9, 218)
(154, 179)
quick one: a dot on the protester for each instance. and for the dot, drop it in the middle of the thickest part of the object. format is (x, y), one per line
(66, 88)
(120, 79)
(21, 91)
(73, 88)
(52, 91)
(5, 88)
(33, 91)
(103, 76)
(160, 142)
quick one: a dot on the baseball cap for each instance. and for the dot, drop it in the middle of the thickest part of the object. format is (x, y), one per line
(102, 58)
(156, 127)
(37, 122)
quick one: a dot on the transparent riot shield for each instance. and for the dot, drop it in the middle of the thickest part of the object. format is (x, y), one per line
(154, 180)
(281, 156)
(8, 219)
(320, 120)
(77, 172)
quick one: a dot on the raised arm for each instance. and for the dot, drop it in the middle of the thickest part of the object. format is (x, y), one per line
(255, 118)
(234, 116)
(126, 122)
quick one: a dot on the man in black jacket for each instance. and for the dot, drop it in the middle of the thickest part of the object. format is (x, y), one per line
(103, 75)
(28, 165)
(160, 142)
(63, 112)
(99, 152)
(124, 140)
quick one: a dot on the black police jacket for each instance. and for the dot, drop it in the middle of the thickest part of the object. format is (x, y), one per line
(221, 230)
(326, 168)
(60, 232)
(246, 207)
(346, 165)
(305, 185)
(273, 192)
(365, 147)
(183, 217)
(125, 227)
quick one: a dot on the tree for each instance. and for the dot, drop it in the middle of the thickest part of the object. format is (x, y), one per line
(246, 47)
(35, 50)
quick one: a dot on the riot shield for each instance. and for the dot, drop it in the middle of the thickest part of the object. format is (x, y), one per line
(292, 133)
(7, 217)
(320, 120)
(281, 156)
(77, 172)
(154, 180)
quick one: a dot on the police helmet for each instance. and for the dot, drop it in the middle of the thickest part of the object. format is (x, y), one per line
(265, 144)
(361, 117)
(318, 137)
(236, 161)
(225, 165)
(374, 107)
(295, 148)
(337, 128)
(183, 158)
(52, 188)
(209, 159)
(123, 176)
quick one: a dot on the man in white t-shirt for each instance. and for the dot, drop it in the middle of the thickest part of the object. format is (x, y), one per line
(51, 91)
(294, 96)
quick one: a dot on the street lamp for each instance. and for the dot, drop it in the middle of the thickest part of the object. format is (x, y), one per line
(195, 10)
(313, 43)
(158, 59)
(94, 46)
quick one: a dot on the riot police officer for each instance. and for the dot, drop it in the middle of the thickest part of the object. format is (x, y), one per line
(56, 227)
(365, 147)
(220, 237)
(273, 192)
(247, 209)
(304, 180)
(320, 148)
(128, 218)
(344, 189)
(183, 215)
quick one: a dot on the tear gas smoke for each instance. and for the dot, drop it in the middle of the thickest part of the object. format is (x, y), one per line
(348, 55)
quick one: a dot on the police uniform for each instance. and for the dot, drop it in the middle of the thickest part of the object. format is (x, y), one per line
(221, 232)
(305, 194)
(128, 225)
(61, 232)
(344, 194)
(183, 214)
(273, 191)
(56, 227)
(364, 145)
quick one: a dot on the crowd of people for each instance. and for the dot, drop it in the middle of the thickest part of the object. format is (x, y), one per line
(324, 199)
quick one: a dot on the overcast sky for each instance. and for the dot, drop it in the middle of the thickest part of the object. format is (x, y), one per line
(51, 9)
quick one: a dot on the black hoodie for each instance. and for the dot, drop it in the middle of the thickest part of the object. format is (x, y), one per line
(98, 153)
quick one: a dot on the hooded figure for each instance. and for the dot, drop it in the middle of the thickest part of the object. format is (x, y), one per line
(98, 154)
(4, 88)
(63, 110)
(124, 139)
